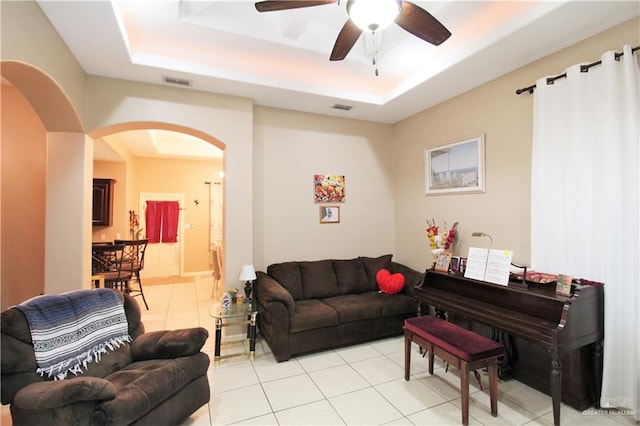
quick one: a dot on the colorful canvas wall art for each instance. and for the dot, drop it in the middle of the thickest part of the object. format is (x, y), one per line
(329, 188)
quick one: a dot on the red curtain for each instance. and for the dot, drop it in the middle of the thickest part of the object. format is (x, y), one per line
(170, 211)
(153, 219)
(162, 221)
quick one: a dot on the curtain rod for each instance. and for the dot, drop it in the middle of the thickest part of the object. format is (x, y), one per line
(583, 68)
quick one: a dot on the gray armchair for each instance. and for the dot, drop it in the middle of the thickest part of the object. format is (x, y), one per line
(160, 378)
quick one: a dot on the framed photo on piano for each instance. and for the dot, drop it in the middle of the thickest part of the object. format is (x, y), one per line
(455, 264)
(442, 261)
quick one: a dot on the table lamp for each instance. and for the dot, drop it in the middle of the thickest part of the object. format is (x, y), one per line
(248, 274)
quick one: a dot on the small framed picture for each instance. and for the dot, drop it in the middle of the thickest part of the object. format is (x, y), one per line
(443, 261)
(329, 214)
(455, 264)
(462, 266)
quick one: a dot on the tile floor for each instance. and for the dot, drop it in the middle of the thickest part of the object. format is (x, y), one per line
(357, 385)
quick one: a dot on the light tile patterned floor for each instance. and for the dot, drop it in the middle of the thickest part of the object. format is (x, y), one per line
(357, 385)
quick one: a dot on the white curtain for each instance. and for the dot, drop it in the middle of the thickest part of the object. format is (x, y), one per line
(585, 202)
(215, 213)
(215, 235)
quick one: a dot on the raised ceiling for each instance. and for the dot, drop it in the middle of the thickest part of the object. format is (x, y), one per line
(153, 143)
(281, 59)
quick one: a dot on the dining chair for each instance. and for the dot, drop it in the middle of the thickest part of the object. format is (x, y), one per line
(107, 260)
(133, 260)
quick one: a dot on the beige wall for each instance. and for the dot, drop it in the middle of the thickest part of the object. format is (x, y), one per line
(164, 176)
(229, 120)
(291, 147)
(28, 37)
(271, 216)
(187, 177)
(23, 156)
(506, 119)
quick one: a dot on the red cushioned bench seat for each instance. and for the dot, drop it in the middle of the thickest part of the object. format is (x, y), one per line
(461, 348)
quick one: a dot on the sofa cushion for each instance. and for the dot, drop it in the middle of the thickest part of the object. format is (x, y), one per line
(45, 395)
(169, 343)
(288, 275)
(318, 279)
(143, 385)
(312, 314)
(352, 307)
(460, 342)
(372, 265)
(352, 278)
(391, 304)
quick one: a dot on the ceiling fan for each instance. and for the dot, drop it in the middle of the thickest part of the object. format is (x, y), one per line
(407, 15)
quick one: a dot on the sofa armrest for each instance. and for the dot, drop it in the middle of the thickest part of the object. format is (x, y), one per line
(412, 278)
(269, 290)
(168, 344)
(55, 394)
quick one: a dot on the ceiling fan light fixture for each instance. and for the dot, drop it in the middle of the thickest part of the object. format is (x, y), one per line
(373, 15)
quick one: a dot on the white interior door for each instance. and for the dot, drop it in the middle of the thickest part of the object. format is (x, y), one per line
(163, 259)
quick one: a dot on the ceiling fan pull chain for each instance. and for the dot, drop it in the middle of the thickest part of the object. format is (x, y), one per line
(374, 59)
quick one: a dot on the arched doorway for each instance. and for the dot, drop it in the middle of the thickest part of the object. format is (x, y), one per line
(39, 123)
(160, 162)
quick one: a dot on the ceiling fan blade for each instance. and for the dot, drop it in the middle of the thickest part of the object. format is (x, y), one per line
(347, 37)
(274, 5)
(421, 24)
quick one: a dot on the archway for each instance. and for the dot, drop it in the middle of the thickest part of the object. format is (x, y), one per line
(167, 176)
(38, 121)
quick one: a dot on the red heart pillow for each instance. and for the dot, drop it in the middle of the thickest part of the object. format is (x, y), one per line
(389, 283)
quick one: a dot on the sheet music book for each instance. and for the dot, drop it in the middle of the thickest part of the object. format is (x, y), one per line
(489, 265)
(476, 263)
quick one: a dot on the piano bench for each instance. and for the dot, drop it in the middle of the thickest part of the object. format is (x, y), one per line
(459, 347)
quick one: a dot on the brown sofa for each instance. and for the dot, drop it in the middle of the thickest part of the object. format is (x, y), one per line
(160, 378)
(309, 306)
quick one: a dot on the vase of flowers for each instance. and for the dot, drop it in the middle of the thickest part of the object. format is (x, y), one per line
(233, 293)
(440, 239)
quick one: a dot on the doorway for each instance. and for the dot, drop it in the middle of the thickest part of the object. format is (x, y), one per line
(146, 155)
(163, 259)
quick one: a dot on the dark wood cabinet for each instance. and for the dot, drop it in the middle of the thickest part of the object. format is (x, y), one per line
(102, 202)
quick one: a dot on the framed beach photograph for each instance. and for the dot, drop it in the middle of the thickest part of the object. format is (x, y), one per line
(455, 168)
(442, 261)
(329, 214)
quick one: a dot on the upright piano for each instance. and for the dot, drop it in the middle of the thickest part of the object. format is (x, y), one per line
(553, 342)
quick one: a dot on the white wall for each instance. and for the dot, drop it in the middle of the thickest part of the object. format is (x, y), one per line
(291, 147)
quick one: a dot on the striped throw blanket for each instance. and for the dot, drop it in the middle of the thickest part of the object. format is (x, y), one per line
(72, 329)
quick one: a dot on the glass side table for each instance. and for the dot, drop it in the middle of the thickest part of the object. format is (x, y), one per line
(234, 315)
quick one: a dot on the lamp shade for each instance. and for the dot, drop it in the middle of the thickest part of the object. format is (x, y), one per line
(247, 273)
(373, 15)
(482, 234)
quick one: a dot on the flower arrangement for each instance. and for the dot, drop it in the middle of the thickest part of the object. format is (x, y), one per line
(134, 225)
(440, 241)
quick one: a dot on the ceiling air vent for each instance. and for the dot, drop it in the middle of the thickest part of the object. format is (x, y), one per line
(342, 107)
(178, 81)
